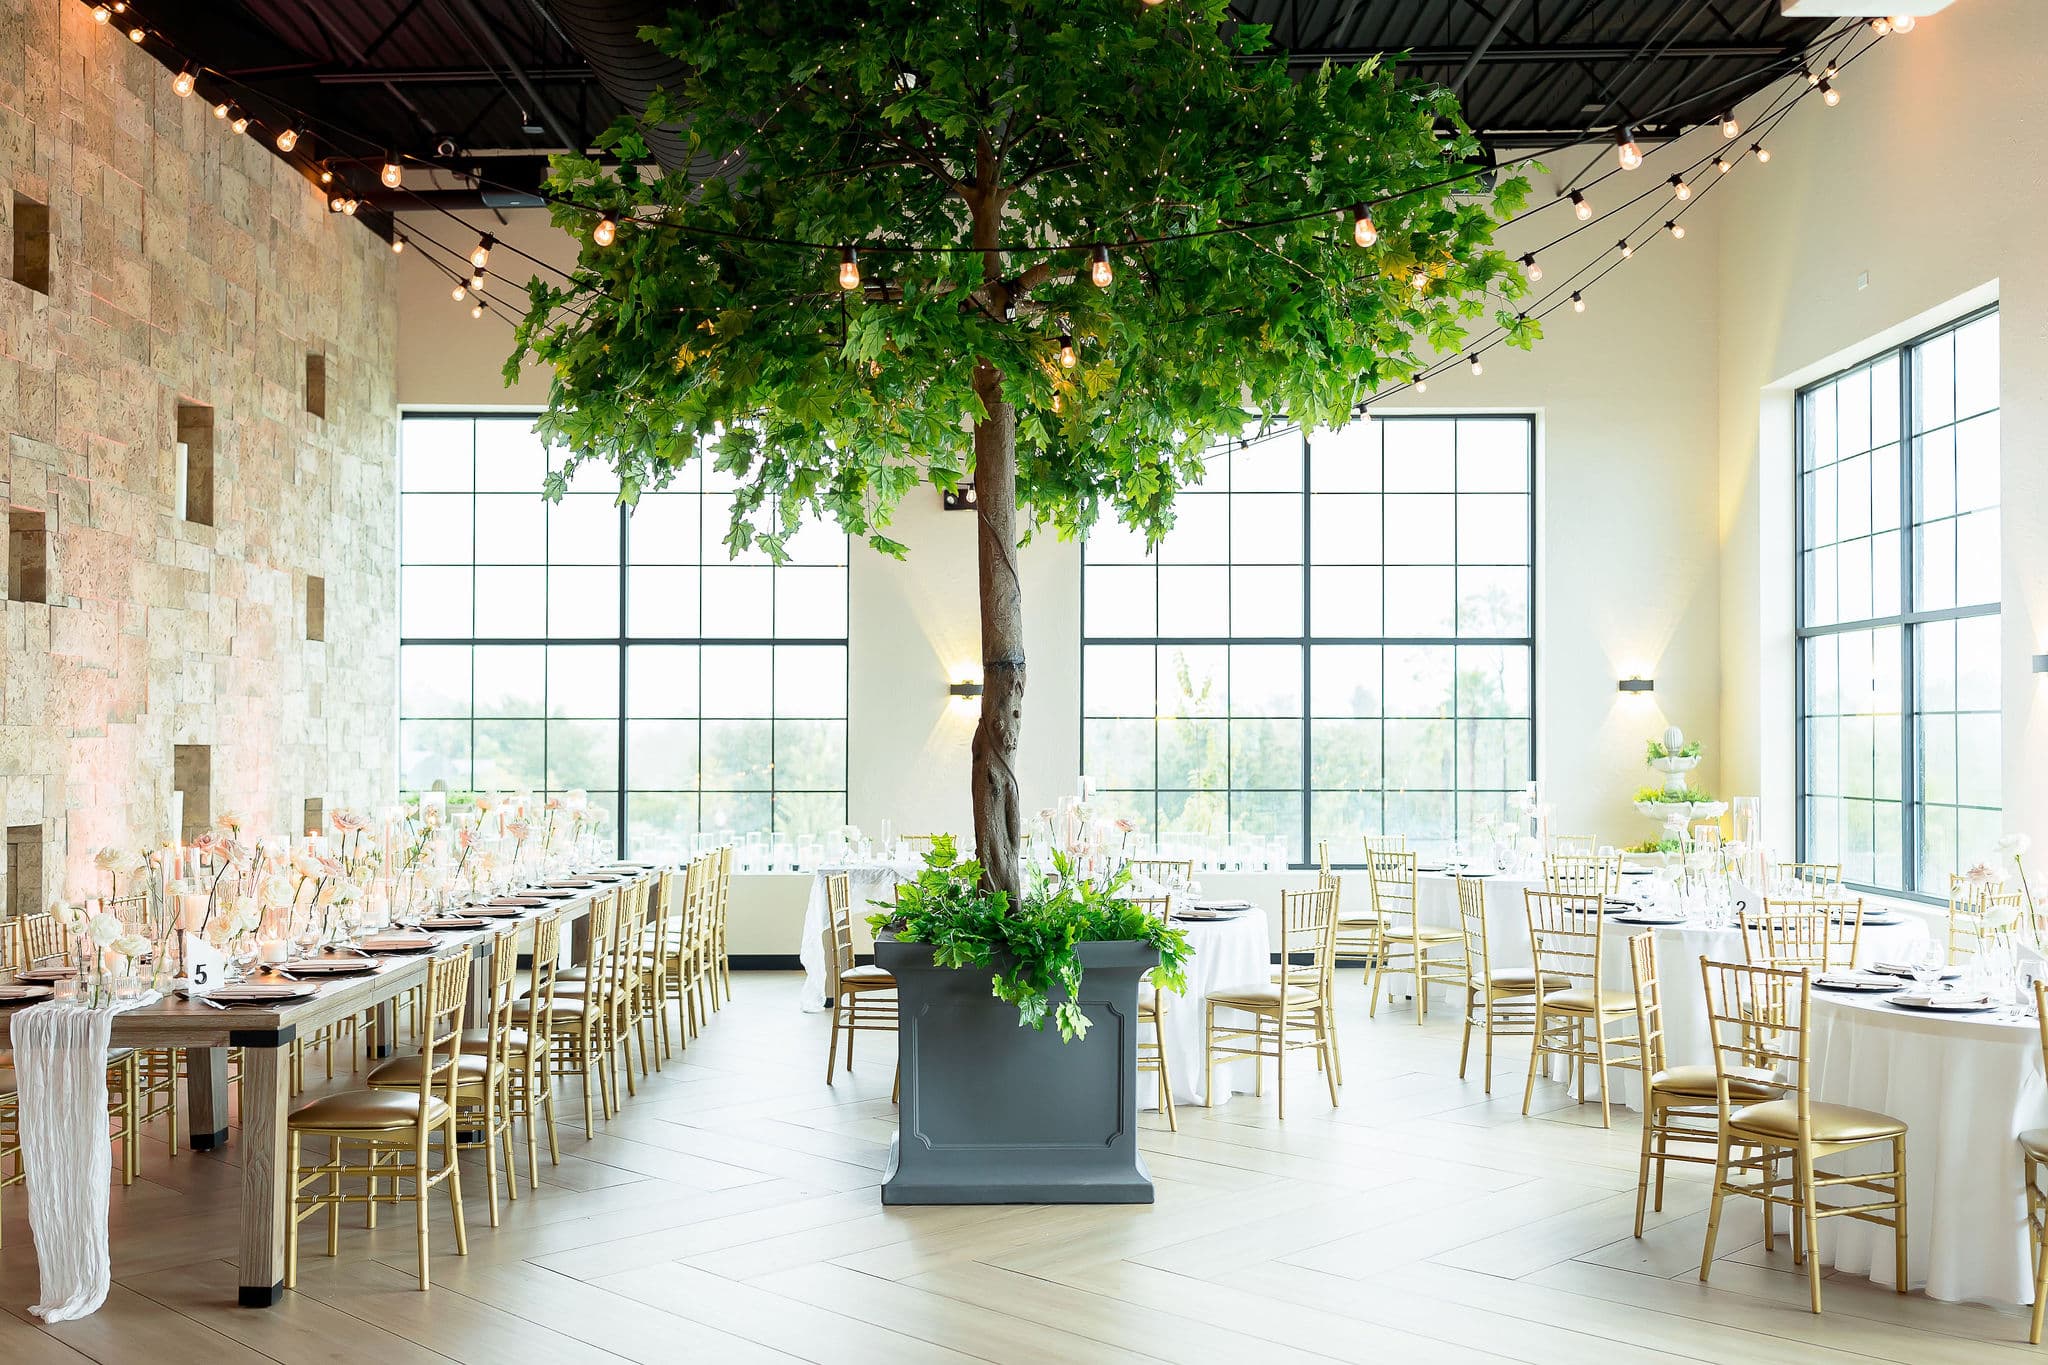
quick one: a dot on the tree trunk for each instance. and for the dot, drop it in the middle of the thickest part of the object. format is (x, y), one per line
(997, 819)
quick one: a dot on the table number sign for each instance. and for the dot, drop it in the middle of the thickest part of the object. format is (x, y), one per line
(206, 967)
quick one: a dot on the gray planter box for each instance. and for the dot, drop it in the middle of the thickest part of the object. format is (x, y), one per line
(993, 1113)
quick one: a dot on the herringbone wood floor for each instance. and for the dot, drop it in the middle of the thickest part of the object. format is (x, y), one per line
(730, 1214)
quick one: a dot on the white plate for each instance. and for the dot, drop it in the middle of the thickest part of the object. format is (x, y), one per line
(1870, 984)
(23, 993)
(1945, 1003)
(1652, 921)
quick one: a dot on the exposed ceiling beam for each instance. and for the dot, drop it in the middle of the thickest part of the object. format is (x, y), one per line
(1546, 53)
(1500, 21)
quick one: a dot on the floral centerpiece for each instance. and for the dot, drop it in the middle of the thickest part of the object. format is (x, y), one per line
(1675, 801)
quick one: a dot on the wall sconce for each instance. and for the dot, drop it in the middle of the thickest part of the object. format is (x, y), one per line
(960, 500)
(1636, 685)
(2041, 663)
(965, 689)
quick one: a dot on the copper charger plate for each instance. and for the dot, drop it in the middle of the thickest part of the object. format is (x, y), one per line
(400, 943)
(44, 975)
(263, 993)
(23, 992)
(330, 966)
(530, 902)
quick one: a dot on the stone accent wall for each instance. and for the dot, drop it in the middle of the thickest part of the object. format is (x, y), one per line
(187, 266)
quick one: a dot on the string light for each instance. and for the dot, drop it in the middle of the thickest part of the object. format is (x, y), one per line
(1578, 302)
(1362, 230)
(1904, 23)
(1730, 128)
(1679, 189)
(606, 232)
(481, 255)
(398, 244)
(1881, 25)
(237, 120)
(1477, 368)
(1723, 164)
(476, 309)
(1067, 357)
(182, 83)
(849, 268)
(1761, 152)
(334, 203)
(458, 293)
(136, 35)
(220, 110)
(1625, 150)
(1812, 77)
(350, 205)
(101, 14)
(1420, 279)
(288, 138)
(476, 279)
(1626, 250)
(1581, 207)
(1421, 384)
(392, 175)
(1530, 268)
(1675, 228)
(1099, 269)
(1829, 95)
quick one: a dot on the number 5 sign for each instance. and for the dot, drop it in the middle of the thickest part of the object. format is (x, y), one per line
(206, 967)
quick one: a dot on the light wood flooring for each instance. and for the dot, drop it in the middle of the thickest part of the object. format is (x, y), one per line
(731, 1215)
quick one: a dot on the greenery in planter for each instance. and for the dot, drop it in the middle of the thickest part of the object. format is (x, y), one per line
(1689, 749)
(1667, 844)
(1683, 796)
(969, 926)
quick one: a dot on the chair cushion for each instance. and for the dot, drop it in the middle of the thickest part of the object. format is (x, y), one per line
(2035, 1141)
(868, 978)
(1779, 1120)
(1357, 919)
(1579, 1000)
(1697, 1082)
(471, 1066)
(368, 1110)
(479, 1040)
(1261, 997)
(1524, 978)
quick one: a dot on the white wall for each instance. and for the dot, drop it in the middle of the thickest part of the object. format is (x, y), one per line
(1925, 177)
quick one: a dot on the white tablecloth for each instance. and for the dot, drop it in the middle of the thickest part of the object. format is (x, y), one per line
(1679, 950)
(865, 882)
(1227, 953)
(1965, 1086)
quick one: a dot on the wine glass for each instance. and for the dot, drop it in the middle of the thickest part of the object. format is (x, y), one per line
(1928, 962)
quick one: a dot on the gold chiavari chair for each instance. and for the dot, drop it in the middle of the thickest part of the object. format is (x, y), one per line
(1810, 874)
(529, 1079)
(1581, 874)
(1163, 871)
(1402, 946)
(1152, 1010)
(37, 936)
(1499, 1001)
(863, 997)
(578, 1029)
(1678, 1101)
(1581, 845)
(718, 958)
(2034, 1152)
(1358, 926)
(483, 1091)
(1565, 932)
(679, 890)
(1789, 934)
(1385, 843)
(1980, 916)
(396, 1128)
(661, 958)
(917, 845)
(1796, 1128)
(1290, 1014)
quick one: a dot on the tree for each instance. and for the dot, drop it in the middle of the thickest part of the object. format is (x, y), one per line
(985, 159)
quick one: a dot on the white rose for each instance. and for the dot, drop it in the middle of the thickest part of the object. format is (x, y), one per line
(278, 892)
(2013, 845)
(131, 946)
(104, 929)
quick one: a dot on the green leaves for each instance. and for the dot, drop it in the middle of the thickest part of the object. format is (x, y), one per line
(876, 123)
(1033, 945)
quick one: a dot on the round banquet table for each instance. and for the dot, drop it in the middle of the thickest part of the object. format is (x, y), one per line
(1679, 950)
(1965, 1086)
(1229, 952)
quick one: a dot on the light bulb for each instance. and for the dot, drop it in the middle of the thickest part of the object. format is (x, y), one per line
(393, 175)
(1421, 384)
(1763, 153)
(1056, 404)
(350, 204)
(238, 120)
(397, 245)
(1676, 229)
(326, 174)
(476, 279)
(1581, 207)
(606, 232)
(1679, 189)
(1829, 95)
(1904, 23)
(1812, 77)
(120, 6)
(1530, 268)
(220, 110)
(1067, 356)
(1578, 304)
(1477, 368)
(181, 84)
(458, 293)
(1723, 164)
(849, 268)
(287, 139)
(136, 35)
(481, 256)
(334, 203)
(1625, 150)
(1362, 230)
(1626, 250)
(1730, 127)
(1880, 25)
(1420, 279)
(1100, 271)
(477, 309)
(101, 14)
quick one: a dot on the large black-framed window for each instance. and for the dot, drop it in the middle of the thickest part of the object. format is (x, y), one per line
(1898, 612)
(1336, 638)
(584, 645)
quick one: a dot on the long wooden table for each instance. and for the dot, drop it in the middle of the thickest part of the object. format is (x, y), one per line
(265, 1035)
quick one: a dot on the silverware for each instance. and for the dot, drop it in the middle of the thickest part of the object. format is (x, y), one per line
(203, 1000)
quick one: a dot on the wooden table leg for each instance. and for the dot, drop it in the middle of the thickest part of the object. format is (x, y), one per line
(579, 941)
(383, 1040)
(206, 1096)
(265, 1170)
